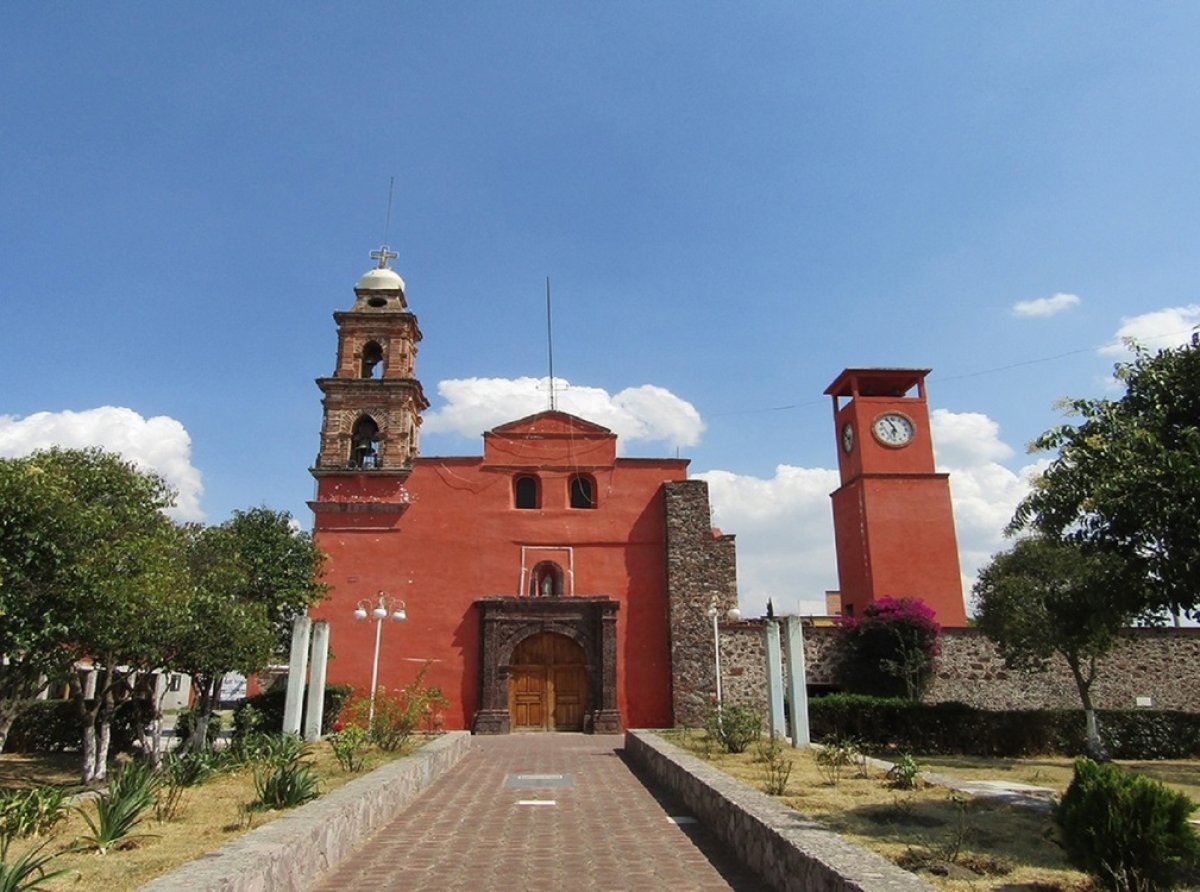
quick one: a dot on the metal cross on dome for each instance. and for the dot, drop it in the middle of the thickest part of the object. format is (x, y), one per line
(383, 255)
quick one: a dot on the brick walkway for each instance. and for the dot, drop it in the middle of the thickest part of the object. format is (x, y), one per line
(477, 828)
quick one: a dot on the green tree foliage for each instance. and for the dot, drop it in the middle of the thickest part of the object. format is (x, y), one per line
(1044, 598)
(1127, 477)
(282, 567)
(87, 572)
(890, 649)
(249, 577)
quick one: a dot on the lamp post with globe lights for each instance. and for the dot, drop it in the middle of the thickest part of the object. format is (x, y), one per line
(733, 614)
(384, 605)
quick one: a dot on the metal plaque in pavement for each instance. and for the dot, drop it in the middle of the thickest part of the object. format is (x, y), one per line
(539, 781)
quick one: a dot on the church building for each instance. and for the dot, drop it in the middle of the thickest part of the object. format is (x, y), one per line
(547, 584)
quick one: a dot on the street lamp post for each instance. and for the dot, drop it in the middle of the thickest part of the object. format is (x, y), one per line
(384, 604)
(715, 615)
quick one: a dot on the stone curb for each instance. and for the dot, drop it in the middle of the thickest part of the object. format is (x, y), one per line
(293, 851)
(787, 849)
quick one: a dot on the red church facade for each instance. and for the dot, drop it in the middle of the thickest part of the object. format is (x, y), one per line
(548, 584)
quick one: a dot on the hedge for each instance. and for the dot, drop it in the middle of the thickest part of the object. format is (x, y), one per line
(944, 728)
(52, 726)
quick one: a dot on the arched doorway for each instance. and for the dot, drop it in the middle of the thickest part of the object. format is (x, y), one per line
(548, 687)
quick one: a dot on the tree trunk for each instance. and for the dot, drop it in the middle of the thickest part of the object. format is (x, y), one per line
(104, 738)
(1083, 682)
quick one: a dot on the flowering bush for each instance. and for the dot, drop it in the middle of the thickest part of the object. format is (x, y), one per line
(890, 649)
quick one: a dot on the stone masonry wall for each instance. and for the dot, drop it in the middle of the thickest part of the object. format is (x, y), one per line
(701, 573)
(1161, 664)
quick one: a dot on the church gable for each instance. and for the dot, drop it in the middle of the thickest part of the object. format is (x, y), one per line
(550, 438)
(550, 423)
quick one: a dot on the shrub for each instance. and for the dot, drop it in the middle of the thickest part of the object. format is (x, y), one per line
(348, 746)
(734, 727)
(270, 704)
(890, 649)
(1126, 829)
(905, 773)
(398, 715)
(834, 757)
(185, 721)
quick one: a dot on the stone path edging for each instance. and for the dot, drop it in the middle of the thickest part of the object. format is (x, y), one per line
(294, 850)
(790, 851)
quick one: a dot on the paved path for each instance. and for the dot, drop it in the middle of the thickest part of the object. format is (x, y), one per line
(597, 827)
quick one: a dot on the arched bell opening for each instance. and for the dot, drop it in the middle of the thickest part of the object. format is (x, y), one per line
(364, 443)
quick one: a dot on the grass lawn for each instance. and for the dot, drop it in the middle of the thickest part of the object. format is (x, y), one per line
(951, 840)
(211, 815)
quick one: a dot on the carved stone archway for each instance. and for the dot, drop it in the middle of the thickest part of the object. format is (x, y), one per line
(506, 622)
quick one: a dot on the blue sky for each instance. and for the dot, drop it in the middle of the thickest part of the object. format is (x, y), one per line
(733, 203)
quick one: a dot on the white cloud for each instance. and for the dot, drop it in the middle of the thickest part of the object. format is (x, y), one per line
(1168, 327)
(1046, 306)
(784, 529)
(646, 413)
(160, 444)
(784, 525)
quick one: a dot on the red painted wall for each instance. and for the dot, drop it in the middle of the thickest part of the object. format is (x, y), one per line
(460, 538)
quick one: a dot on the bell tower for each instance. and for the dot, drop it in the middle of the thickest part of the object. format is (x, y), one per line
(373, 402)
(892, 517)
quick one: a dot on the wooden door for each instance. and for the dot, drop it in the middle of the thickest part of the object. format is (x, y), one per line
(548, 689)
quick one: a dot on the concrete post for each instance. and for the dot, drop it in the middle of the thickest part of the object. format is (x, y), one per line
(315, 714)
(797, 680)
(774, 678)
(297, 674)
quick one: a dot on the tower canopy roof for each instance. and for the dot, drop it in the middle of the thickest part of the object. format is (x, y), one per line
(876, 382)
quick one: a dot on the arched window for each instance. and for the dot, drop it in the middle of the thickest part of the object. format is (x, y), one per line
(527, 492)
(372, 360)
(546, 580)
(583, 491)
(364, 443)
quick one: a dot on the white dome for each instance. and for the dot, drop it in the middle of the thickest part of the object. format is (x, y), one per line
(380, 280)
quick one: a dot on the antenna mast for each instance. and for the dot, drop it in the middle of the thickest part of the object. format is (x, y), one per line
(550, 346)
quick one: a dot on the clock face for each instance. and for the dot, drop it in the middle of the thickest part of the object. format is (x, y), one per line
(893, 429)
(848, 438)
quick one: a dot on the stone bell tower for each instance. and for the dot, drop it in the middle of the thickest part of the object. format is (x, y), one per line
(373, 402)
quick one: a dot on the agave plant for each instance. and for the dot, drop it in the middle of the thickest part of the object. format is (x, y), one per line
(120, 809)
(27, 873)
(31, 812)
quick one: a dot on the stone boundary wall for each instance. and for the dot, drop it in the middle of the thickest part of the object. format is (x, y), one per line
(787, 850)
(701, 573)
(293, 851)
(1160, 664)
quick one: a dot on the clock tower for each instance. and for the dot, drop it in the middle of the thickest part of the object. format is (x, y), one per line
(892, 517)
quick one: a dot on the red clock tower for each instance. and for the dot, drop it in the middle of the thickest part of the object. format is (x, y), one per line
(892, 518)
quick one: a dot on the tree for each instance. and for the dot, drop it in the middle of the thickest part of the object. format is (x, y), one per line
(249, 577)
(1044, 597)
(1127, 477)
(218, 631)
(89, 570)
(890, 649)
